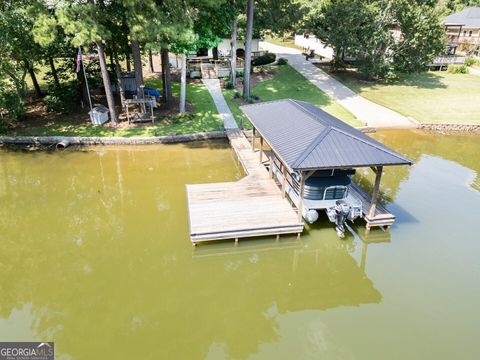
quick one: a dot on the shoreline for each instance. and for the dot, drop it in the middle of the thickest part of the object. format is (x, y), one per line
(473, 129)
(106, 140)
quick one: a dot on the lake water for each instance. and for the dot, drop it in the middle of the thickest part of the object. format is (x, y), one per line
(95, 255)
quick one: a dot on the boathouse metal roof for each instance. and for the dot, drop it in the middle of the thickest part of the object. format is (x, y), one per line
(308, 138)
(468, 17)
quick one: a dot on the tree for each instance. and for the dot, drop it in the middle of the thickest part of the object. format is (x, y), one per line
(451, 6)
(16, 39)
(278, 17)
(422, 38)
(194, 25)
(384, 37)
(83, 23)
(137, 67)
(233, 52)
(248, 50)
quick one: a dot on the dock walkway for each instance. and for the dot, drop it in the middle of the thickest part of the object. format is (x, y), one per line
(252, 206)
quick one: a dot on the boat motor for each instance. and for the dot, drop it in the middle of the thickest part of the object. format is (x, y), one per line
(342, 209)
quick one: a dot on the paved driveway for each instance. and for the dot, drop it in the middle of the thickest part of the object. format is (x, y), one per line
(368, 112)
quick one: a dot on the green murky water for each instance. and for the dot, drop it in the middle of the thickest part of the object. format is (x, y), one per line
(95, 255)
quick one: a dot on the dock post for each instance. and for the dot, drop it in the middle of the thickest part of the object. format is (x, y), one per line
(253, 139)
(261, 149)
(300, 202)
(284, 173)
(270, 170)
(376, 188)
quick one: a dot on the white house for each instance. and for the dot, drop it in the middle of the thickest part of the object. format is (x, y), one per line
(309, 42)
(224, 48)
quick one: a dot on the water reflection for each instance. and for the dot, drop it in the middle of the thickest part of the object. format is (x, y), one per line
(263, 280)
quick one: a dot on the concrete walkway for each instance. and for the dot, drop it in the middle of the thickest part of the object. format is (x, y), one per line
(213, 86)
(474, 71)
(372, 114)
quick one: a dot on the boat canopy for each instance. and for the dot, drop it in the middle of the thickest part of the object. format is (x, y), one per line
(305, 137)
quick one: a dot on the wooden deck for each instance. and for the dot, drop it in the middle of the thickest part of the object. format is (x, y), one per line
(252, 206)
(382, 216)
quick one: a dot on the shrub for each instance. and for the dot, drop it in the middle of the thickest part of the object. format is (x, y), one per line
(252, 99)
(11, 105)
(61, 98)
(470, 61)
(229, 85)
(458, 69)
(236, 95)
(282, 61)
(181, 118)
(3, 126)
(265, 59)
(239, 73)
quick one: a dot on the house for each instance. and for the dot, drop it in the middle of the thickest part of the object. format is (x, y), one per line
(310, 42)
(215, 62)
(463, 31)
(224, 47)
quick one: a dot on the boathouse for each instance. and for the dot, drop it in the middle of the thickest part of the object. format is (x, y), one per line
(295, 141)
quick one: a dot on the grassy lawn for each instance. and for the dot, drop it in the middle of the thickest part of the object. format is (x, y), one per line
(205, 118)
(288, 83)
(284, 42)
(430, 97)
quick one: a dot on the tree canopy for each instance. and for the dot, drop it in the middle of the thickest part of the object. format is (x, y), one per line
(383, 37)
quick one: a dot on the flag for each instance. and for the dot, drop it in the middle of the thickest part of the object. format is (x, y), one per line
(79, 59)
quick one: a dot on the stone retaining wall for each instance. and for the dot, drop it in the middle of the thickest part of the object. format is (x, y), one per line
(99, 140)
(450, 127)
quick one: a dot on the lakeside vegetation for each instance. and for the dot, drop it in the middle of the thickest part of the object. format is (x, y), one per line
(285, 82)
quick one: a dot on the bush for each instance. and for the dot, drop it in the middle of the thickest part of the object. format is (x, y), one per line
(61, 98)
(470, 61)
(237, 95)
(239, 73)
(3, 125)
(181, 118)
(265, 59)
(11, 105)
(458, 69)
(229, 85)
(282, 61)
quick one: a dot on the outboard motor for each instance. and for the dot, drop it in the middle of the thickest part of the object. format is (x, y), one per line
(342, 209)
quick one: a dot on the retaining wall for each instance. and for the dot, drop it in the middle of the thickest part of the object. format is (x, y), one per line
(99, 140)
(475, 128)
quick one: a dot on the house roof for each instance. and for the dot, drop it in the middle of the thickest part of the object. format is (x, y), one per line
(307, 138)
(468, 17)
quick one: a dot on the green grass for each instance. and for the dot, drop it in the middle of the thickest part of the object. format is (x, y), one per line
(430, 97)
(288, 83)
(206, 118)
(284, 42)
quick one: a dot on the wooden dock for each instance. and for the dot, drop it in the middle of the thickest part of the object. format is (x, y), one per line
(252, 206)
(381, 218)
